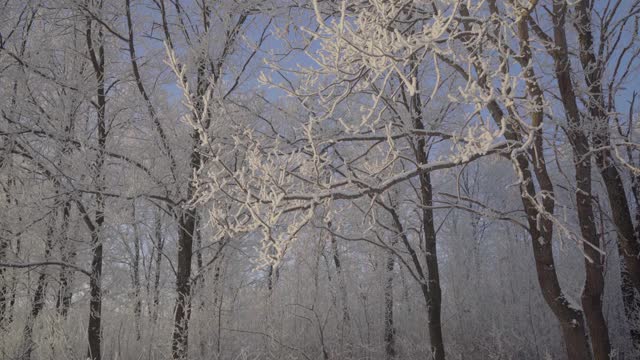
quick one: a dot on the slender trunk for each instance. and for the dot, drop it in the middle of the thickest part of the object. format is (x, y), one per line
(187, 225)
(4, 246)
(5, 240)
(180, 345)
(7, 305)
(67, 251)
(272, 277)
(156, 281)
(95, 302)
(95, 283)
(14, 285)
(38, 299)
(217, 299)
(419, 270)
(389, 329)
(434, 297)
(137, 307)
(345, 326)
(63, 299)
(198, 283)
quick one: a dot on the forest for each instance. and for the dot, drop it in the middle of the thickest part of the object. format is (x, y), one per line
(319, 179)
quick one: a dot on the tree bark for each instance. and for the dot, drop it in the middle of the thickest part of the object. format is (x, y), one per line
(419, 270)
(180, 345)
(137, 307)
(345, 326)
(4, 290)
(156, 281)
(97, 57)
(63, 299)
(389, 329)
(38, 298)
(631, 303)
(434, 297)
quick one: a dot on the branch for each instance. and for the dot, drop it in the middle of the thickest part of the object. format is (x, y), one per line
(45, 263)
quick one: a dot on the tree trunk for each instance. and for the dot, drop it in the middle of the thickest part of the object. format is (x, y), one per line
(95, 302)
(97, 57)
(8, 293)
(217, 299)
(187, 224)
(4, 291)
(419, 271)
(63, 300)
(389, 329)
(631, 302)
(156, 281)
(434, 297)
(5, 242)
(67, 251)
(180, 345)
(345, 326)
(38, 298)
(137, 307)
(14, 284)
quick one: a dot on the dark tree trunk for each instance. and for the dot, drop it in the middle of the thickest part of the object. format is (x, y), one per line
(14, 284)
(186, 223)
(63, 299)
(419, 270)
(345, 326)
(631, 302)
(434, 297)
(180, 344)
(156, 281)
(95, 302)
(5, 241)
(4, 290)
(97, 57)
(67, 250)
(217, 299)
(137, 307)
(273, 273)
(8, 293)
(38, 298)
(389, 329)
